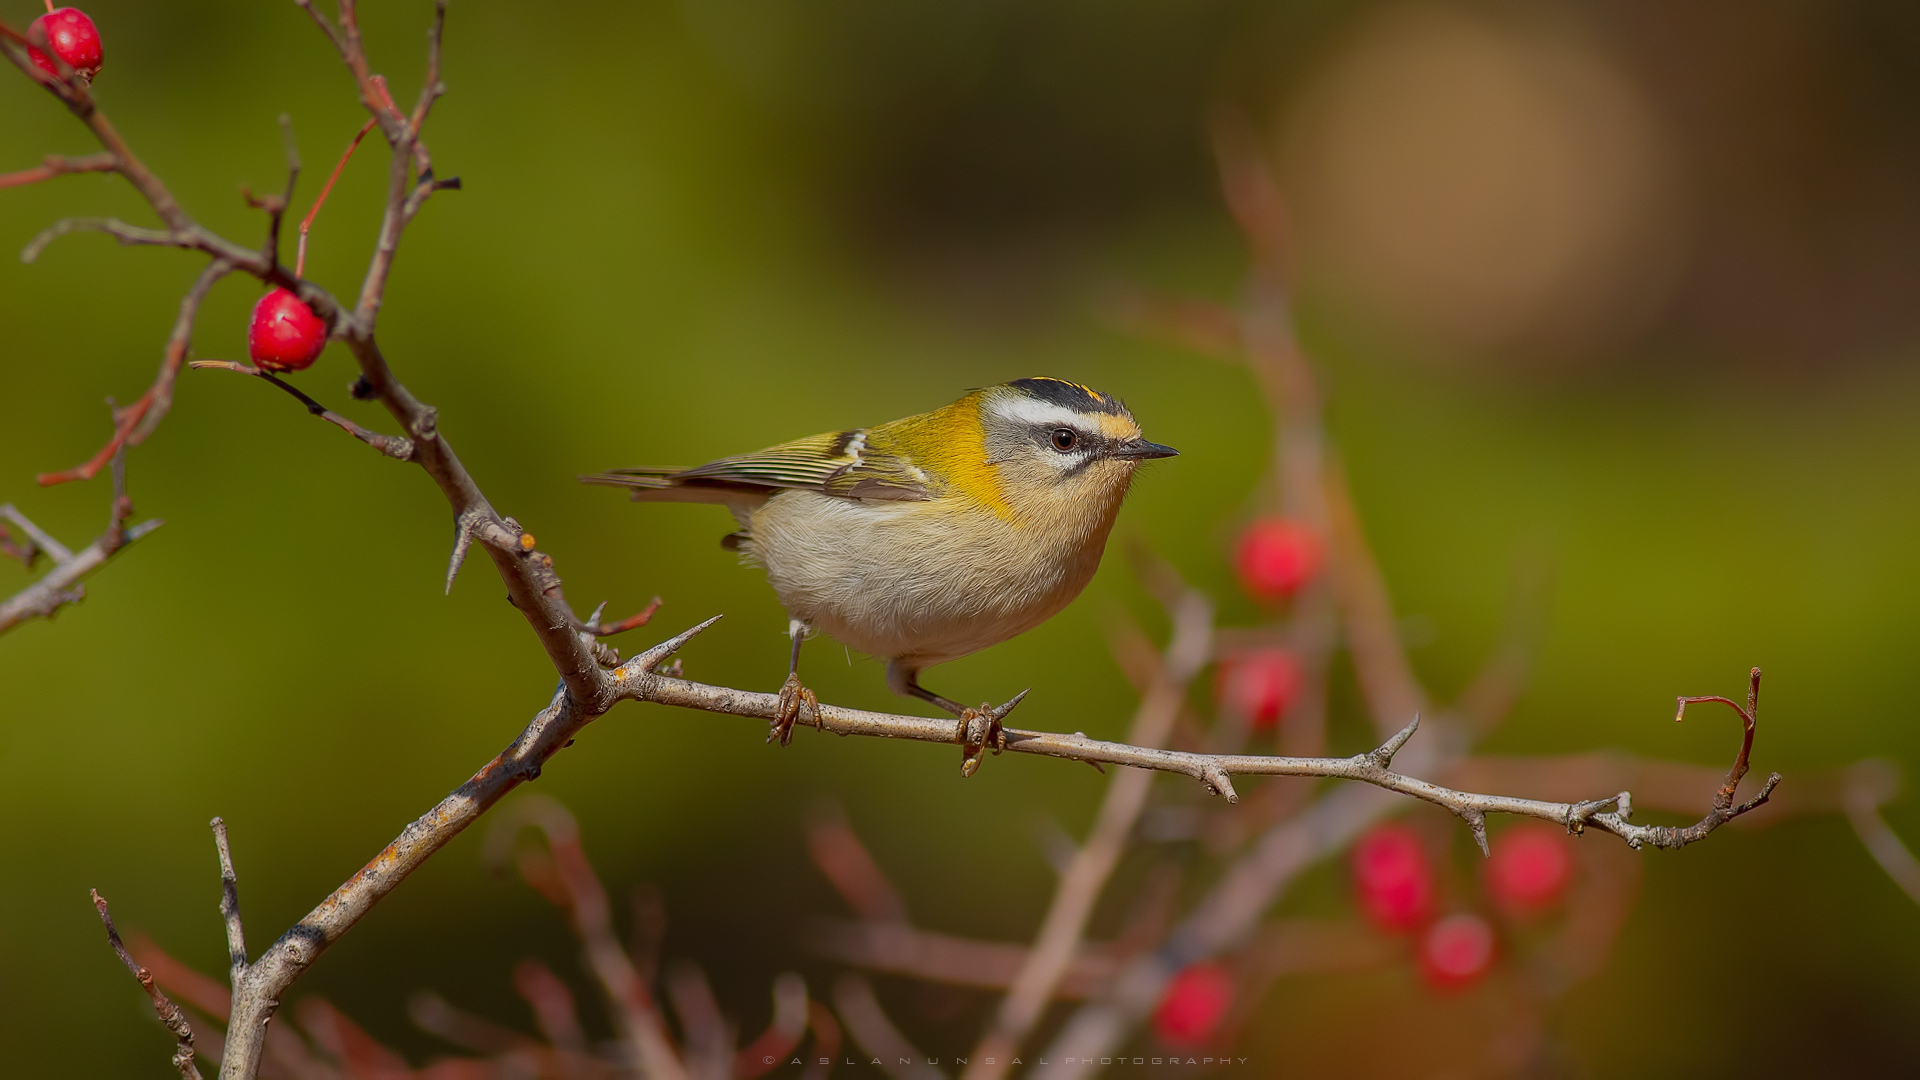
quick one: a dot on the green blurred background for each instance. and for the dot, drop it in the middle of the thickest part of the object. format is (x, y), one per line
(1629, 282)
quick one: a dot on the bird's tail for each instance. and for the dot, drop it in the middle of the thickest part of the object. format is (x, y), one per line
(670, 485)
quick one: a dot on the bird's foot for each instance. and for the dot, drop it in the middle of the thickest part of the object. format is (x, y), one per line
(980, 731)
(794, 700)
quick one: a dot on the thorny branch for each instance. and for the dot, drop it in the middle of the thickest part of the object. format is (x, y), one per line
(1215, 771)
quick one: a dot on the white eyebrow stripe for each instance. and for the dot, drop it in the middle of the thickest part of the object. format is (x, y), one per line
(1026, 410)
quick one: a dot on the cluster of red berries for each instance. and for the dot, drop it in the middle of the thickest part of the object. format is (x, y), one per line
(1528, 871)
(1394, 882)
(72, 37)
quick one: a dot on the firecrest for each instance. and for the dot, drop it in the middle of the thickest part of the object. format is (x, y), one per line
(926, 539)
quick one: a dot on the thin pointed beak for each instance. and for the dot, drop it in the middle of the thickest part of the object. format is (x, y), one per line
(1142, 450)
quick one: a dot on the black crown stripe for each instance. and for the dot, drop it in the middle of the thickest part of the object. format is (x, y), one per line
(1068, 395)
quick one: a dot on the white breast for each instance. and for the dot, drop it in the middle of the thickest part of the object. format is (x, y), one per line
(918, 581)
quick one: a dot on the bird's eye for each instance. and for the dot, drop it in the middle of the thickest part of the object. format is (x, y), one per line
(1065, 439)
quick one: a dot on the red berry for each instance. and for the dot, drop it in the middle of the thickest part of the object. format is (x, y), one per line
(1529, 869)
(285, 334)
(1275, 557)
(1456, 951)
(1195, 1002)
(1259, 685)
(1392, 879)
(73, 38)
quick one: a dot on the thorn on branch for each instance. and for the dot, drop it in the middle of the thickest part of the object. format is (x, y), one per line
(1578, 814)
(1219, 782)
(1477, 822)
(650, 660)
(169, 1013)
(465, 526)
(1382, 755)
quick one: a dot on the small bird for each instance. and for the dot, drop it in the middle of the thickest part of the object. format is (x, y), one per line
(929, 538)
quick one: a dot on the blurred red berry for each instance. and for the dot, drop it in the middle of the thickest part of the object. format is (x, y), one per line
(1456, 951)
(1392, 879)
(1195, 1002)
(1275, 557)
(285, 334)
(1529, 869)
(73, 38)
(1259, 685)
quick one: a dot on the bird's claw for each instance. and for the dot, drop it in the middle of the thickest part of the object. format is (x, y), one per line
(794, 699)
(980, 731)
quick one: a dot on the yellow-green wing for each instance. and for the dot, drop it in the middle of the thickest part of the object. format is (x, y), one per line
(837, 463)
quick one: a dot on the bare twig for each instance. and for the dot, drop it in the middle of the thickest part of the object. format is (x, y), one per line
(826, 1041)
(59, 165)
(394, 446)
(348, 1042)
(900, 949)
(632, 622)
(134, 423)
(838, 852)
(230, 905)
(553, 1006)
(708, 1038)
(1869, 785)
(632, 1005)
(867, 1023)
(169, 1013)
(38, 540)
(783, 1033)
(276, 205)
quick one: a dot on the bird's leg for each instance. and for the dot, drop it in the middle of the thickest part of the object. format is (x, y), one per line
(979, 728)
(793, 696)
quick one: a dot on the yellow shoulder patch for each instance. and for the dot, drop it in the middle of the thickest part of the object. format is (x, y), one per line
(951, 444)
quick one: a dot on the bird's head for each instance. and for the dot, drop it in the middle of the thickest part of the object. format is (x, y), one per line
(1058, 446)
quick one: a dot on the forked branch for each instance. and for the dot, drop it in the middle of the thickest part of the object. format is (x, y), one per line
(61, 585)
